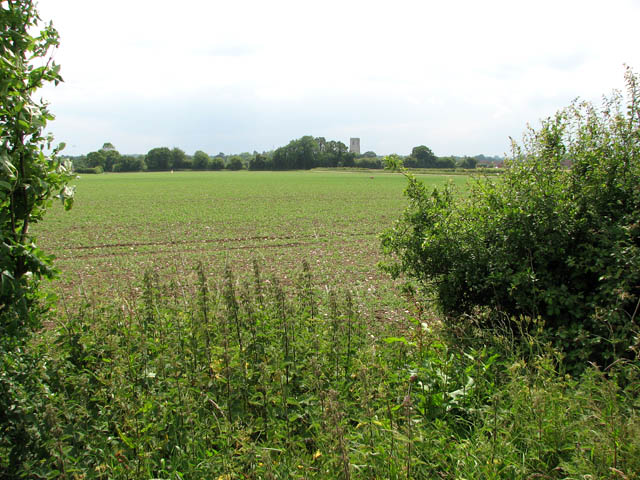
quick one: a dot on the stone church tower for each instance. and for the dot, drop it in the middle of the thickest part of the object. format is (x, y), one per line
(354, 145)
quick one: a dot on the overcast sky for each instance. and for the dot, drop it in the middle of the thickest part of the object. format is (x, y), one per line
(243, 75)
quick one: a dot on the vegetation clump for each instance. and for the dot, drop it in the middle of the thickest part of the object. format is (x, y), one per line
(32, 172)
(242, 377)
(555, 239)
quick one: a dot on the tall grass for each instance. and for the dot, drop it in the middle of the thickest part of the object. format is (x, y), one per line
(254, 378)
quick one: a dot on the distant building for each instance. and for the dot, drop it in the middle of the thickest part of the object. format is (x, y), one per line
(354, 145)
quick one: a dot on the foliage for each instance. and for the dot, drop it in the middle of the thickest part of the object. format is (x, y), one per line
(226, 377)
(31, 176)
(556, 238)
(106, 158)
(111, 158)
(308, 152)
(216, 163)
(260, 162)
(158, 159)
(367, 162)
(235, 163)
(467, 162)
(178, 159)
(95, 159)
(200, 160)
(129, 163)
(302, 154)
(423, 157)
(89, 170)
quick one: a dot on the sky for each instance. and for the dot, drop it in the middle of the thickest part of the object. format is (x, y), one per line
(234, 76)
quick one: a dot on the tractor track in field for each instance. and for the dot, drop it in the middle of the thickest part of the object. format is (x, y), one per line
(285, 241)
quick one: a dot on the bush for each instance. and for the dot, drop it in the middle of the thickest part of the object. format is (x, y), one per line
(247, 378)
(216, 163)
(367, 162)
(30, 177)
(557, 237)
(200, 160)
(235, 163)
(93, 170)
(33, 174)
(129, 163)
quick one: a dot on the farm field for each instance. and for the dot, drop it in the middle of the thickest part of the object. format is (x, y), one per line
(123, 224)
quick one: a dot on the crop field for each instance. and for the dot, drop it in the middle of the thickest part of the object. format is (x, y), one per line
(124, 224)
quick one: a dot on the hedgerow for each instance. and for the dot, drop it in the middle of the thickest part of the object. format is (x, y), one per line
(555, 239)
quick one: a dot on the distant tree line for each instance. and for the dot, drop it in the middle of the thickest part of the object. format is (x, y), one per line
(301, 154)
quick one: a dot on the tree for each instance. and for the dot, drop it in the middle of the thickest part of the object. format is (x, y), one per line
(96, 159)
(322, 144)
(444, 162)
(158, 159)
(303, 153)
(178, 158)
(348, 160)
(30, 175)
(235, 163)
(111, 157)
(335, 151)
(424, 157)
(259, 162)
(468, 162)
(200, 160)
(556, 238)
(216, 163)
(307, 152)
(129, 163)
(104, 158)
(368, 162)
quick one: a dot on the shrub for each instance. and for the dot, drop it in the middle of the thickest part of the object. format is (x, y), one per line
(30, 177)
(129, 163)
(557, 237)
(216, 163)
(200, 160)
(235, 163)
(367, 162)
(94, 170)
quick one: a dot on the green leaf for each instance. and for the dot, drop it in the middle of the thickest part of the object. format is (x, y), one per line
(398, 340)
(125, 439)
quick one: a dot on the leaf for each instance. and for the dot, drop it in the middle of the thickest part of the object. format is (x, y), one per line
(397, 340)
(294, 416)
(125, 439)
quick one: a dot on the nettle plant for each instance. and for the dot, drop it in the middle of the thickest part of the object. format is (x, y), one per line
(555, 241)
(31, 172)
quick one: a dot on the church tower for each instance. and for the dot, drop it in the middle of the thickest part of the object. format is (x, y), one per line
(354, 145)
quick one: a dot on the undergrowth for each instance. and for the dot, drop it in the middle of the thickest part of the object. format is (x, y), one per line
(244, 378)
